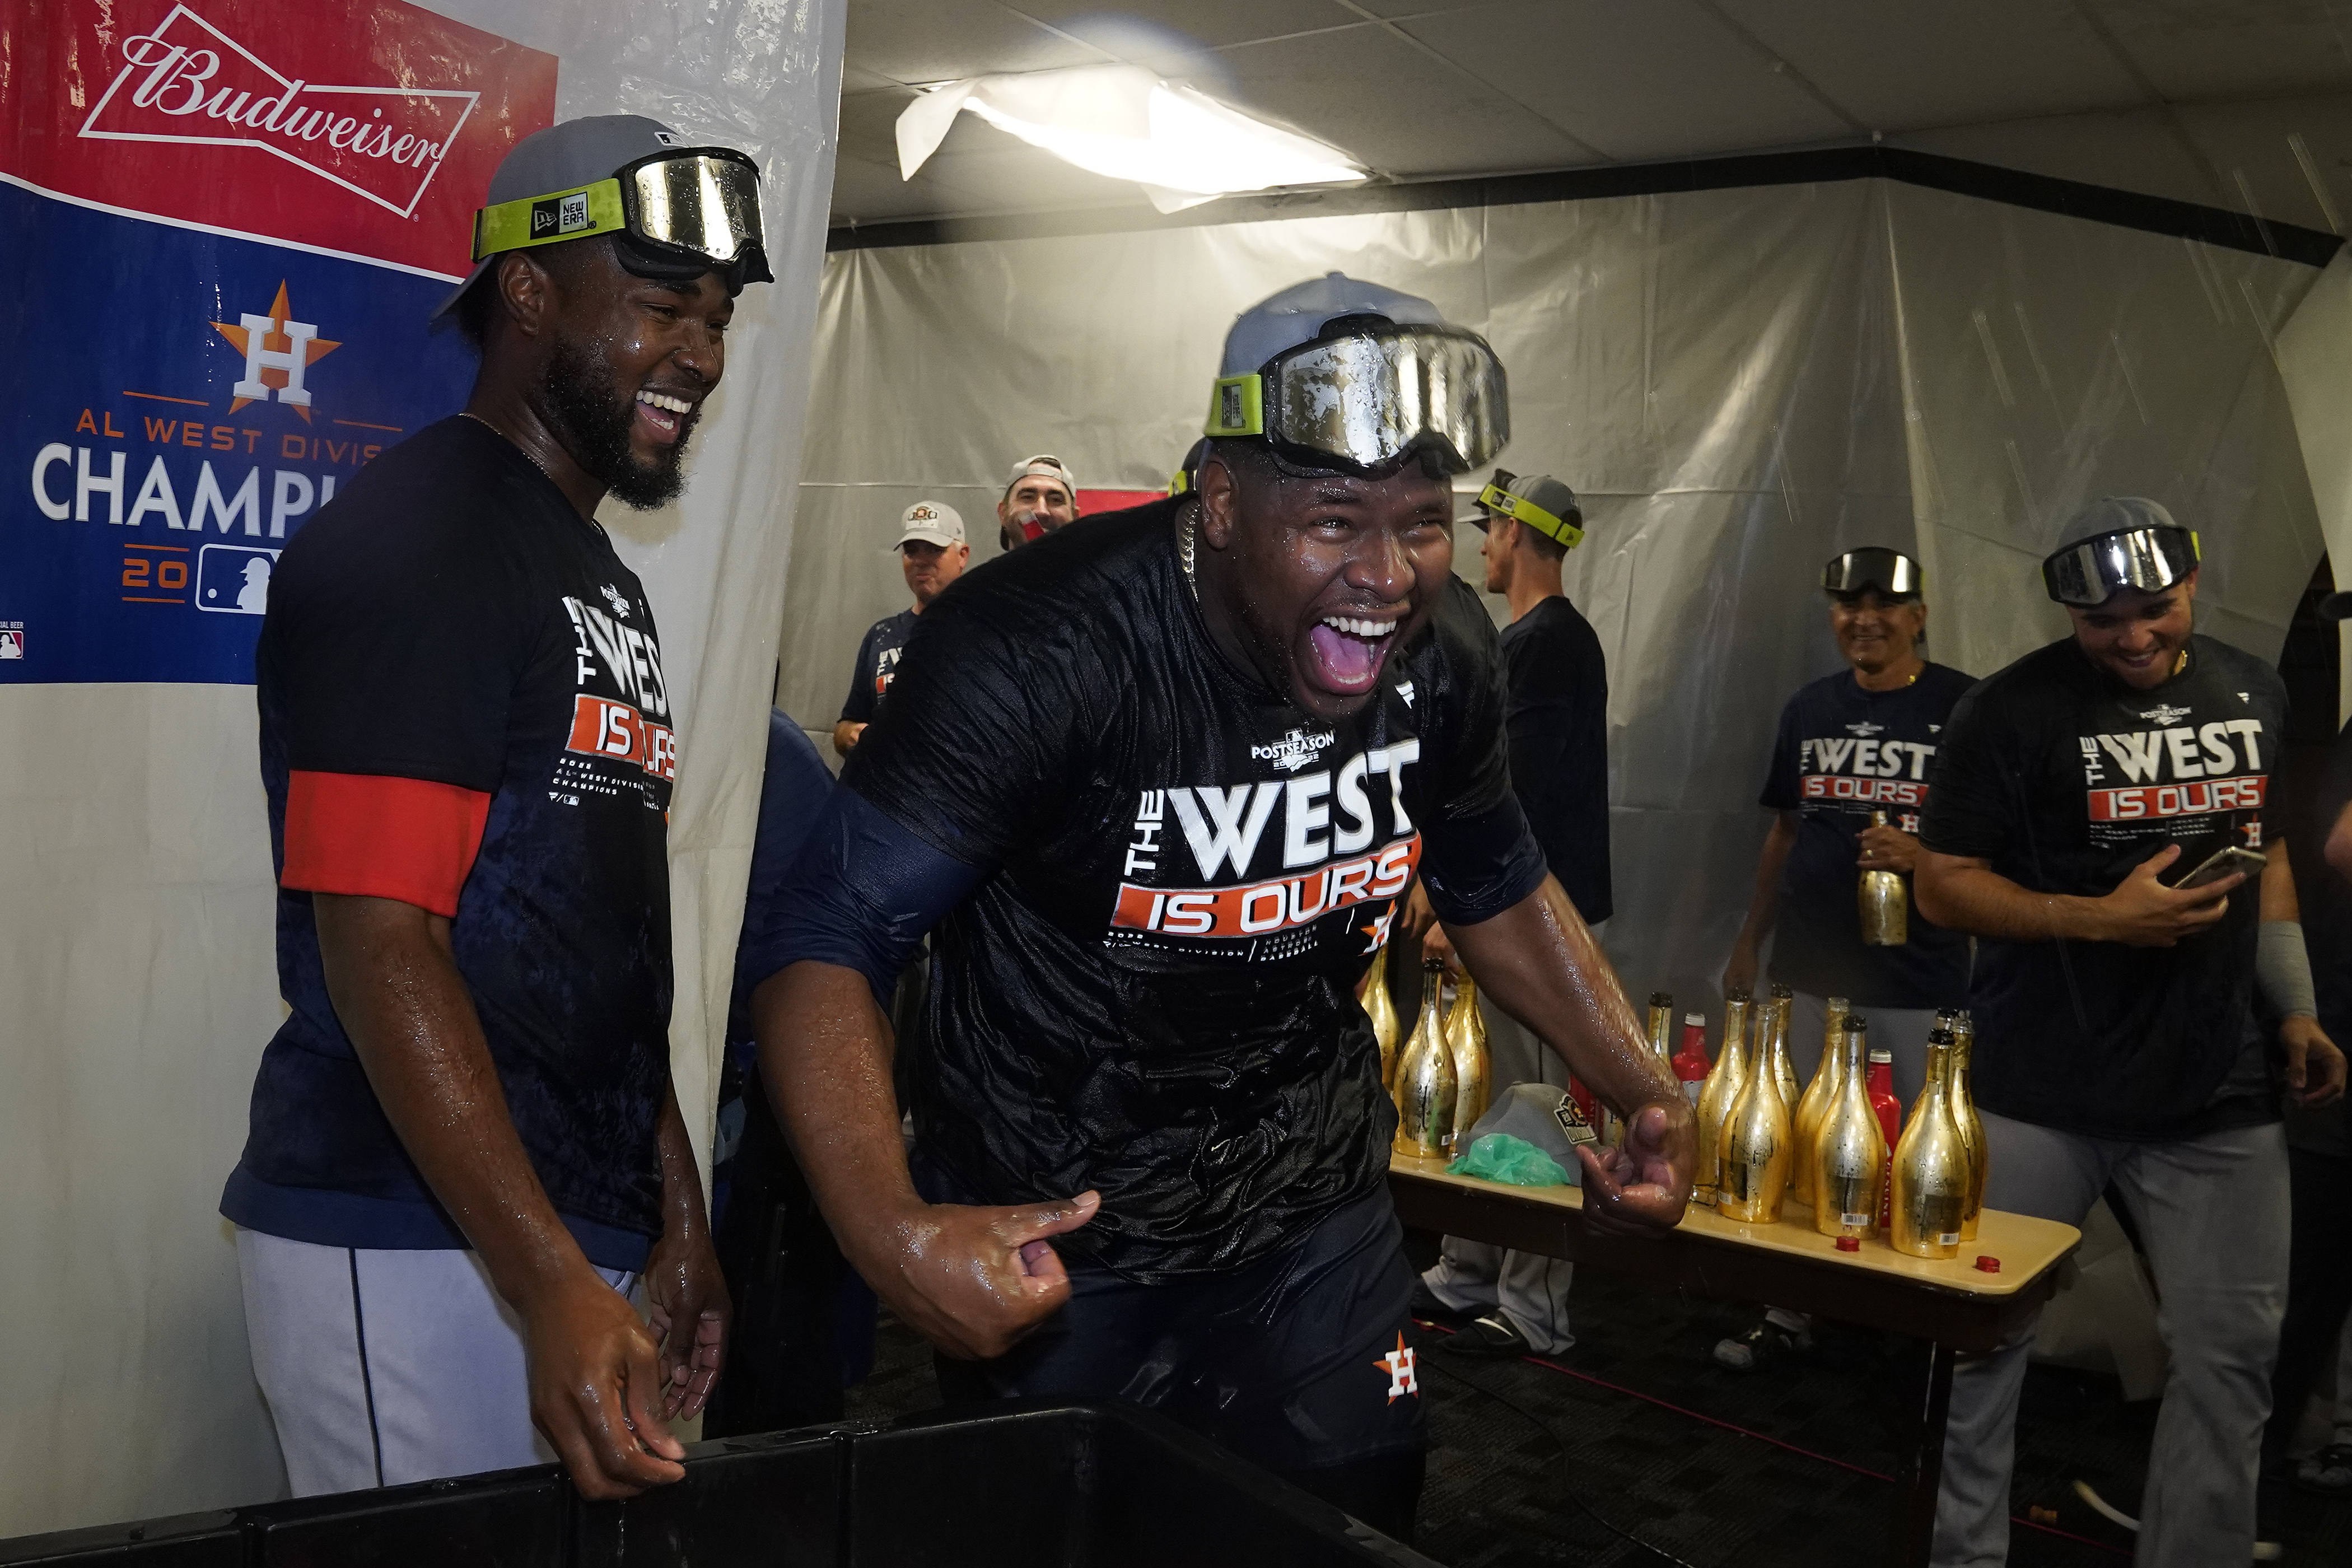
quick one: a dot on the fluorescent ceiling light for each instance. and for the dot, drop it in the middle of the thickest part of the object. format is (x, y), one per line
(1182, 146)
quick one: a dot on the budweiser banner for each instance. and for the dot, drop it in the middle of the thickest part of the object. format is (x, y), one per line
(233, 218)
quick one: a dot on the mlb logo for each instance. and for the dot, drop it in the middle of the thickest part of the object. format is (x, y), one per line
(232, 580)
(12, 639)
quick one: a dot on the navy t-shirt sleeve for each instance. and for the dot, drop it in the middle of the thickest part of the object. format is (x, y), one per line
(1781, 784)
(793, 791)
(1971, 800)
(1479, 856)
(859, 706)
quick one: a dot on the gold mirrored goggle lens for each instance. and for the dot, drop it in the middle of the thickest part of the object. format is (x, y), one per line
(1368, 399)
(701, 202)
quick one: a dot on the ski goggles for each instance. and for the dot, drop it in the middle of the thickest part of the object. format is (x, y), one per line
(1894, 575)
(2090, 571)
(1365, 400)
(1520, 510)
(698, 208)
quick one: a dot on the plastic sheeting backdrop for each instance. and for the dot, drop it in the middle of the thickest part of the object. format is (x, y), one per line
(188, 184)
(1740, 383)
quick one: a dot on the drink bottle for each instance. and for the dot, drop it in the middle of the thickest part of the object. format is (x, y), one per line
(1786, 1001)
(1849, 1150)
(1380, 1008)
(1931, 1166)
(1816, 1101)
(1465, 1037)
(1885, 903)
(1964, 1112)
(1424, 1078)
(1660, 1025)
(1889, 1112)
(1690, 1063)
(1716, 1096)
(1756, 1135)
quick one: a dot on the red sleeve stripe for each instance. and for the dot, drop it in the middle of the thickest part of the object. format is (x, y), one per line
(382, 838)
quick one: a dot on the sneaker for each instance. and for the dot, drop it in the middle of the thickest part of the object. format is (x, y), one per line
(1770, 1341)
(1491, 1338)
(2327, 1473)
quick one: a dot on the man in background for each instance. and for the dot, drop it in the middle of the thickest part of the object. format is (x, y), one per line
(932, 553)
(2130, 1030)
(1556, 720)
(1040, 498)
(1851, 744)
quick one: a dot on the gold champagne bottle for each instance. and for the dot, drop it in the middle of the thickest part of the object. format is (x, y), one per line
(1931, 1166)
(1757, 1134)
(1850, 1152)
(1782, 1066)
(1465, 1037)
(1725, 1079)
(1964, 1112)
(1380, 1008)
(1424, 1078)
(1883, 902)
(1819, 1094)
(1662, 1029)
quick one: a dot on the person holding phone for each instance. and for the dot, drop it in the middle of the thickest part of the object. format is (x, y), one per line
(2131, 1028)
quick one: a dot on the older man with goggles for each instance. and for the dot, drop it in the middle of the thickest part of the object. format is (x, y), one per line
(1151, 1136)
(2102, 823)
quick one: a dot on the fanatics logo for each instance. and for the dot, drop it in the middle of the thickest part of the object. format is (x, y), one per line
(2163, 713)
(1405, 689)
(1399, 1364)
(188, 82)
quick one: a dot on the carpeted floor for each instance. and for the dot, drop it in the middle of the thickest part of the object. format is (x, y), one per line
(1515, 1445)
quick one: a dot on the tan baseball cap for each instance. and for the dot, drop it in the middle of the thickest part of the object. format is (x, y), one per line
(930, 522)
(1044, 465)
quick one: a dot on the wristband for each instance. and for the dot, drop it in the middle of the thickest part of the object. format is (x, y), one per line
(2283, 970)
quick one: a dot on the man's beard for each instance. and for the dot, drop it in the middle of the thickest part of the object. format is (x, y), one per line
(590, 414)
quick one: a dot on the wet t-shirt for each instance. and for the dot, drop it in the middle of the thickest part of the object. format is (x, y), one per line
(1843, 753)
(2065, 780)
(1151, 992)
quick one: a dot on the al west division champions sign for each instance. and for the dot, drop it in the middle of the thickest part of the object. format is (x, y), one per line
(231, 218)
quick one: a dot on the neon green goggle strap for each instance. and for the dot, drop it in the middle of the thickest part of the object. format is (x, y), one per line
(1236, 408)
(1518, 509)
(544, 220)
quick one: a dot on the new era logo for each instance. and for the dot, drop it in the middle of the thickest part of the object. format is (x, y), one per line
(562, 214)
(186, 81)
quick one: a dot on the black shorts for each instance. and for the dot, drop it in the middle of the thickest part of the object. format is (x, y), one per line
(1301, 1362)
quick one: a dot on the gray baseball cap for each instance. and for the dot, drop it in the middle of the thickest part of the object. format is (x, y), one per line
(1539, 501)
(674, 210)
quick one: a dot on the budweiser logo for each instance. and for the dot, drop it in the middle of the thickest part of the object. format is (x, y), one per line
(187, 82)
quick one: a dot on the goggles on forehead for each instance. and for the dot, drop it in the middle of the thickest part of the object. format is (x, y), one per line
(2090, 571)
(1892, 574)
(696, 205)
(1366, 399)
(1518, 509)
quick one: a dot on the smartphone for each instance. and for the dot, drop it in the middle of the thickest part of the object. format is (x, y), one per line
(2220, 863)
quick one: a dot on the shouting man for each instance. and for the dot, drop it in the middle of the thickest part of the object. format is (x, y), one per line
(466, 1153)
(1157, 785)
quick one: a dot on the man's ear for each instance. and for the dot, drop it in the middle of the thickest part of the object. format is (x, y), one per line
(1221, 499)
(526, 292)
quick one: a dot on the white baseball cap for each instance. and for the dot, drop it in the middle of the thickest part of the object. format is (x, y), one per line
(933, 522)
(1044, 465)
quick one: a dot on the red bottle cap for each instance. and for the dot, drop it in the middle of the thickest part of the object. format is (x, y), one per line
(1988, 1263)
(1851, 1244)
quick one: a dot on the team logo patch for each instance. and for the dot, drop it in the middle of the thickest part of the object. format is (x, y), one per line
(1399, 1364)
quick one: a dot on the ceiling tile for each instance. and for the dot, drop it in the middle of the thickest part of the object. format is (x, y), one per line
(1177, 27)
(1927, 62)
(2227, 48)
(1661, 79)
(939, 41)
(869, 123)
(856, 79)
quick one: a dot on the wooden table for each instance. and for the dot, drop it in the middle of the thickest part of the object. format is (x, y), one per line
(1952, 1306)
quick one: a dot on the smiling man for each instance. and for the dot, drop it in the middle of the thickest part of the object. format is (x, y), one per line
(2131, 1033)
(464, 1152)
(1157, 784)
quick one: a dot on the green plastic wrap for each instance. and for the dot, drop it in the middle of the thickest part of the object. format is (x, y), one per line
(1499, 1157)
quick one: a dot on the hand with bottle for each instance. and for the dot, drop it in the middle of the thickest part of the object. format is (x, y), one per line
(1885, 848)
(1416, 918)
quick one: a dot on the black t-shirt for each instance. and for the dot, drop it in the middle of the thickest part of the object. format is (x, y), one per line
(1152, 991)
(1843, 753)
(1557, 716)
(450, 635)
(878, 661)
(2063, 780)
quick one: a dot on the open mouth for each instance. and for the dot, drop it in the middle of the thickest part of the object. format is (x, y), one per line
(1348, 651)
(663, 415)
